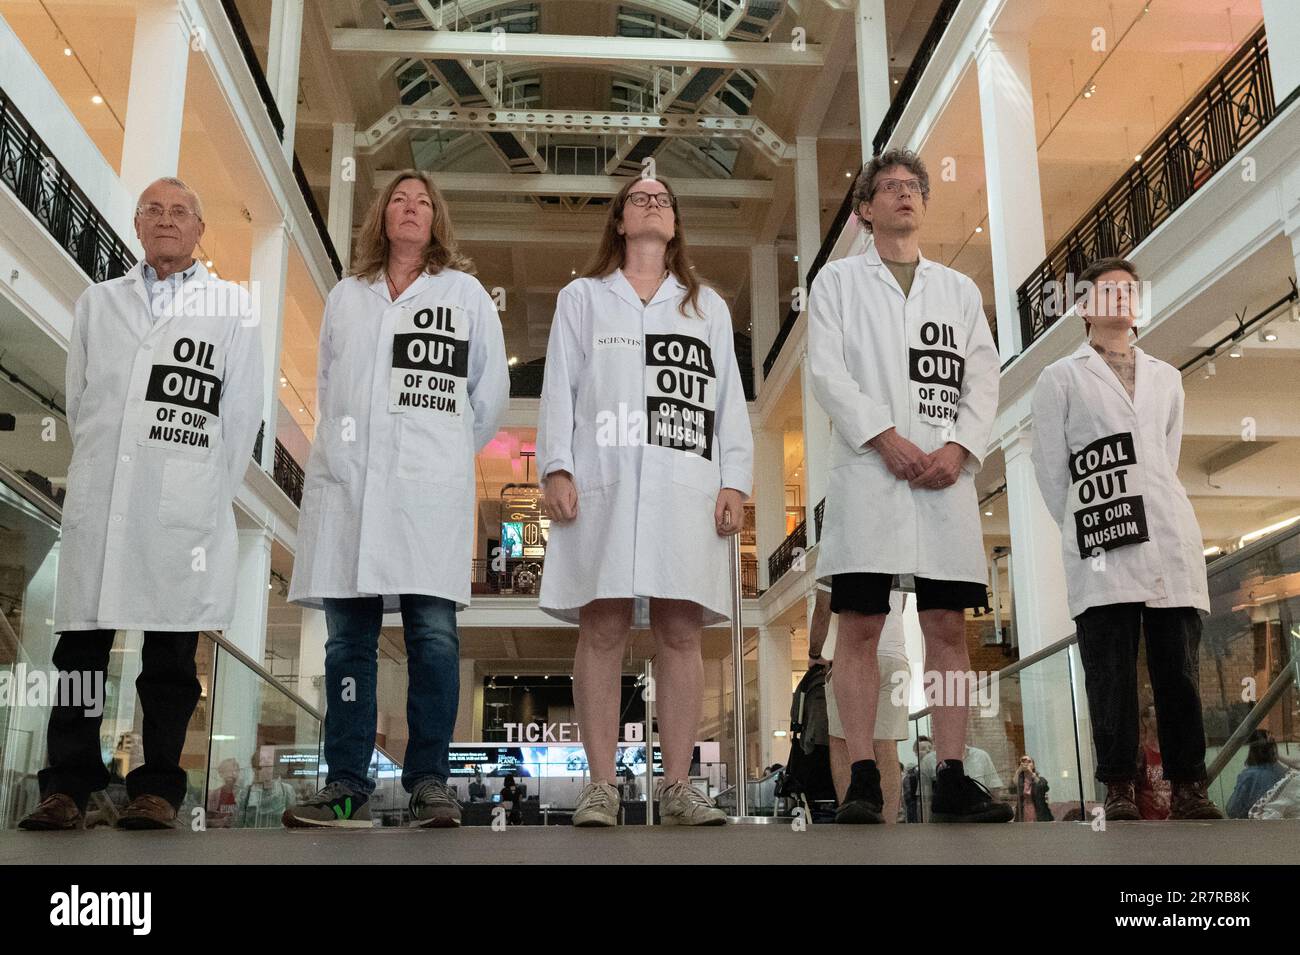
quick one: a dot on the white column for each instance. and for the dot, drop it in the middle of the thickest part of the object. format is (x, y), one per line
(155, 103)
(807, 208)
(343, 176)
(267, 272)
(816, 448)
(311, 658)
(252, 577)
(769, 496)
(774, 673)
(464, 731)
(1282, 28)
(1015, 201)
(1042, 618)
(873, 70)
(764, 306)
(1037, 574)
(284, 46)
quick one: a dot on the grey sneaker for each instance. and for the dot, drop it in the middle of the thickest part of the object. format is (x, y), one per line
(597, 806)
(681, 804)
(434, 806)
(334, 807)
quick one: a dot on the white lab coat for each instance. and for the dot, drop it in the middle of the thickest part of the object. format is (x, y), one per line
(645, 509)
(926, 366)
(408, 392)
(163, 415)
(1108, 469)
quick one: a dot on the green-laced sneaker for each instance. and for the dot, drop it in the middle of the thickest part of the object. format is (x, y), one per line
(681, 804)
(597, 806)
(334, 807)
(433, 806)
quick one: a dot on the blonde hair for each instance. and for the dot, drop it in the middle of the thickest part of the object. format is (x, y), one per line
(372, 244)
(612, 253)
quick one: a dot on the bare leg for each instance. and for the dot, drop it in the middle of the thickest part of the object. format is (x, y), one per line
(945, 652)
(891, 777)
(603, 628)
(857, 680)
(679, 681)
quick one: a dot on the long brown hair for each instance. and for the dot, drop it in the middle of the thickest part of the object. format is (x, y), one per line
(613, 249)
(372, 244)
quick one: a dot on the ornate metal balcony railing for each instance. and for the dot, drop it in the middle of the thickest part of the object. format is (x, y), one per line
(286, 472)
(783, 558)
(32, 173)
(1220, 120)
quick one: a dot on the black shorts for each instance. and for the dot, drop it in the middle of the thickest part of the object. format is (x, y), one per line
(869, 593)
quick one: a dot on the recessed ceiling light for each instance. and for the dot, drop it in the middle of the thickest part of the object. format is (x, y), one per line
(97, 99)
(979, 228)
(988, 513)
(67, 51)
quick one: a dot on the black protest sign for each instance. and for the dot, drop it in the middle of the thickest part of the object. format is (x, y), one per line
(430, 360)
(183, 395)
(936, 367)
(681, 393)
(1108, 507)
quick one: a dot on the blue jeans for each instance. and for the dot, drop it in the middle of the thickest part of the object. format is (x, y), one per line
(433, 688)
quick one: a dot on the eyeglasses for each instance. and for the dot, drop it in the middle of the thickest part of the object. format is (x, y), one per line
(892, 187)
(180, 214)
(642, 199)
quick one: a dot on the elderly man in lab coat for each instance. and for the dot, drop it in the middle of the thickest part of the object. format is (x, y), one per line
(164, 400)
(905, 365)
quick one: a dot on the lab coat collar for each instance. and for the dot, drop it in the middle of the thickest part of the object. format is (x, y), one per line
(198, 277)
(1097, 365)
(871, 258)
(617, 283)
(380, 287)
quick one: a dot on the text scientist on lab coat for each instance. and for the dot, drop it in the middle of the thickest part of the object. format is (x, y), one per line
(164, 384)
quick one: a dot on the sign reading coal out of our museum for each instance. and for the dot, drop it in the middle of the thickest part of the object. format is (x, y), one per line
(1108, 508)
(430, 361)
(936, 366)
(681, 393)
(183, 396)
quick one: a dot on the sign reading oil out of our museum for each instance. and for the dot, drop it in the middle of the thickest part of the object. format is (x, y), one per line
(562, 733)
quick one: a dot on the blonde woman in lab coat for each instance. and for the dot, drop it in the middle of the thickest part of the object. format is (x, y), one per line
(411, 383)
(646, 455)
(1108, 425)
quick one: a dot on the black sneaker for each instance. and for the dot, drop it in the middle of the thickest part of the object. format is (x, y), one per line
(958, 798)
(863, 803)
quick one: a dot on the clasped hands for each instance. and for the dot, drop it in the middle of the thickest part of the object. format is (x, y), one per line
(907, 462)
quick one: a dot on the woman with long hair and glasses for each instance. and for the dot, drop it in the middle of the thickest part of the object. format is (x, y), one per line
(646, 455)
(411, 383)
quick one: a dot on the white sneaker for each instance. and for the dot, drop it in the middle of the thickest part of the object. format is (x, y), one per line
(597, 806)
(681, 804)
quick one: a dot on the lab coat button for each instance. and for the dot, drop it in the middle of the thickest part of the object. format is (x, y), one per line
(126, 457)
(117, 518)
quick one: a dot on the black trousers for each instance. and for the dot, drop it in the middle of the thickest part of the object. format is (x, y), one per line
(168, 688)
(1108, 646)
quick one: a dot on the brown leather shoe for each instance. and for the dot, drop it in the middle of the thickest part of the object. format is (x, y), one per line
(147, 812)
(56, 811)
(1121, 802)
(1190, 801)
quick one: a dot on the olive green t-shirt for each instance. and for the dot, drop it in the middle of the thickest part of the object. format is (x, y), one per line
(903, 272)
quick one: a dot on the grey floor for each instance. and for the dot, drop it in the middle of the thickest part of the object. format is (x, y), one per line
(1170, 843)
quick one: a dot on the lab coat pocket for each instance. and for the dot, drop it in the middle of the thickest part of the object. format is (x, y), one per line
(74, 499)
(188, 498)
(698, 472)
(431, 451)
